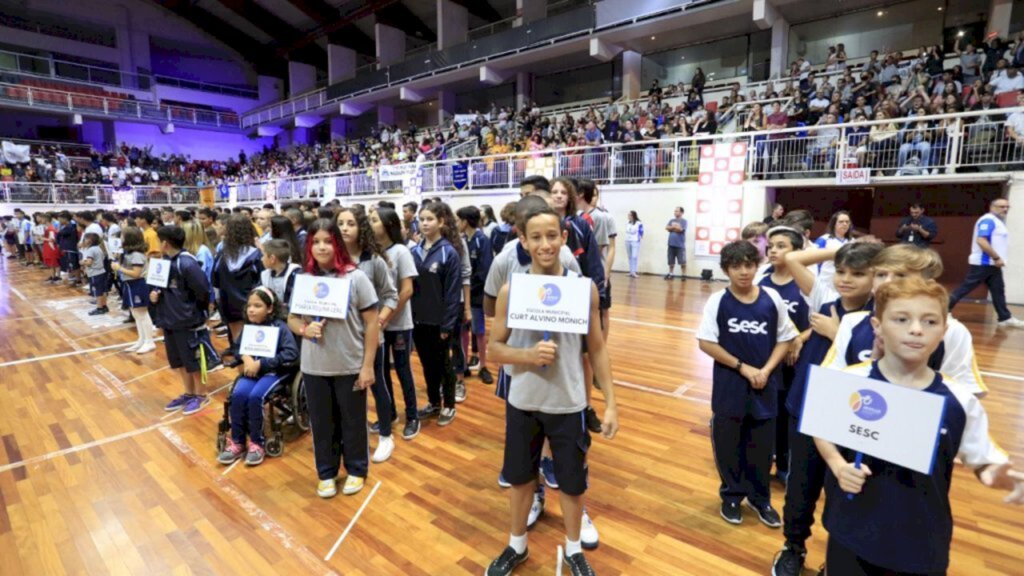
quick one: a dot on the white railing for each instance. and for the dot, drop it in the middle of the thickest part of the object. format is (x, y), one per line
(308, 102)
(102, 105)
(949, 143)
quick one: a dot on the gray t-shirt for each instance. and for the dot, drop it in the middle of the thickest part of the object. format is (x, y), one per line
(507, 263)
(96, 267)
(677, 239)
(340, 351)
(401, 265)
(557, 388)
(377, 271)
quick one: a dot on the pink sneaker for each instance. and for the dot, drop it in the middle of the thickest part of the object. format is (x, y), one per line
(231, 453)
(255, 455)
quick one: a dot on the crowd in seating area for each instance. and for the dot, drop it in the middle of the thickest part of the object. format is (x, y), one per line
(814, 101)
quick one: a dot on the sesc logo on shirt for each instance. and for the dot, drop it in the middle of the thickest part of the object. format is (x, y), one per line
(791, 305)
(747, 326)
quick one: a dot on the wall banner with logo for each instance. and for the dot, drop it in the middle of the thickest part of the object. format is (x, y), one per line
(549, 303)
(880, 419)
(320, 296)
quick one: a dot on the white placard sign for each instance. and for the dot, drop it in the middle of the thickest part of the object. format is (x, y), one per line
(848, 176)
(158, 273)
(320, 296)
(887, 421)
(260, 341)
(549, 303)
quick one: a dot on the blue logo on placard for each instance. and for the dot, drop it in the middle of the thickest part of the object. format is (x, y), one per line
(260, 336)
(868, 405)
(320, 290)
(159, 268)
(549, 294)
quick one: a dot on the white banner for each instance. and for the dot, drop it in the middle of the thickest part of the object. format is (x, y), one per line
(259, 341)
(549, 303)
(465, 119)
(158, 273)
(398, 171)
(15, 153)
(884, 420)
(853, 176)
(320, 296)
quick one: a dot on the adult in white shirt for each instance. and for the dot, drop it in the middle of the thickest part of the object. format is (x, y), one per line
(989, 249)
(1015, 128)
(1008, 82)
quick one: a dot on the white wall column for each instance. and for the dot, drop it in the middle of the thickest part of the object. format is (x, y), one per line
(631, 71)
(524, 90)
(530, 11)
(999, 17)
(779, 63)
(341, 63)
(301, 78)
(390, 45)
(271, 89)
(452, 24)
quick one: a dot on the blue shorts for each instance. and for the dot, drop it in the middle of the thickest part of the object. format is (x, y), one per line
(99, 285)
(183, 348)
(479, 325)
(134, 293)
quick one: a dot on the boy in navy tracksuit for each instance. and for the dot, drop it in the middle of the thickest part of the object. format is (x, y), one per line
(180, 310)
(67, 240)
(480, 258)
(900, 521)
(849, 291)
(746, 330)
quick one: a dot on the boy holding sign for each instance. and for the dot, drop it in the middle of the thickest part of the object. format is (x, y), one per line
(900, 519)
(547, 396)
(266, 345)
(746, 330)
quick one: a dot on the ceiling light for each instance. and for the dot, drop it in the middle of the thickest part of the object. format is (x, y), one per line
(940, 8)
(880, 13)
(652, 37)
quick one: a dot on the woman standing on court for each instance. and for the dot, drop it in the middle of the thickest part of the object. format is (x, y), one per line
(634, 233)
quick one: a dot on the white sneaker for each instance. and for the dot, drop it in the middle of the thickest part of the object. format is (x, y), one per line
(132, 348)
(588, 533)
(384, 449)
(536, 511)
(146, 348)
(1012, 322)
(327, 489)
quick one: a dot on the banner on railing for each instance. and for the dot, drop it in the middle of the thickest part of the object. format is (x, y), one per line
(15, 153)
(849, 176)
(465, 119)
(719, 217)
(460, 175)
(123, 199)
(392, 172)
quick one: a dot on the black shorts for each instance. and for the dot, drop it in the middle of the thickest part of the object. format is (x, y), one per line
(69, 262)
(605, 300)
(524, 437)
(183, 347)
(99, 285)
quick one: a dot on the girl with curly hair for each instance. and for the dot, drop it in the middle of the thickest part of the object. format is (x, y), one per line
(235, 273)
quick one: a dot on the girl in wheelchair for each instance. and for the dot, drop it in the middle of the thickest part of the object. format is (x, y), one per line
(259, 377)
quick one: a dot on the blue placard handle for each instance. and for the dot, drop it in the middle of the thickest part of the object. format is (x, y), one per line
(547, 338)
(316, 319)
(857, 461)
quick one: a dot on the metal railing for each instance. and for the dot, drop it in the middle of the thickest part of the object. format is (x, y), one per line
(95, 105)
(948, 143)
(57, 69)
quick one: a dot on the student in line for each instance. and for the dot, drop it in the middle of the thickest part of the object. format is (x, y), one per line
(747, 331)
(546, 401)
(436, 306)
(480, 258)
(387, 227)
(131, 267)
(51, 251)
(235, 274)
(94, 259)
(363, 249)
(908, 513)
(279, 273)
(258, 377)
(337, 364)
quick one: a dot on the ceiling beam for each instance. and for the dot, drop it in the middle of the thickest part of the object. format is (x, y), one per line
(343, 22)
(399, 16)
(283, 33)
(482, 9)
(349, 36)
(264, 60)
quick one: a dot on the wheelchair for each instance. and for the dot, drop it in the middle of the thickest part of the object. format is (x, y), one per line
(285, 405)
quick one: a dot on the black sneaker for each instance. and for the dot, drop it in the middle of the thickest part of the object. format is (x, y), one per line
(234, 362)
(428, 411)
(507, 562)
(593, 422)
(768, 516)
(99, 311)
(485, 376)
(411, 430)
(578, 565)
(789, 561)
(731, 512)
(474, 363)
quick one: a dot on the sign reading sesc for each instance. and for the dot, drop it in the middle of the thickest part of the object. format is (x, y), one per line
(851, 176)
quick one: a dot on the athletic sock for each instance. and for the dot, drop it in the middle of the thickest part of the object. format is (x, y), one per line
(518, 543)
(572, 547)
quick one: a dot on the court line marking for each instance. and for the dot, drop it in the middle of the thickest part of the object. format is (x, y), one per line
(352, 522)
(692, 331)
(49, 322)
(243, 502)
(230, 468)
(73, 353)
(86, 446)
(679, 392)
(141, 376)
(102, 331)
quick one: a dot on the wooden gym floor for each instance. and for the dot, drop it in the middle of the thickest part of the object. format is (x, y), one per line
(96, 479)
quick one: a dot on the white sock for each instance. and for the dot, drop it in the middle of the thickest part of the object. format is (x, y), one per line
(518, 543)
(572, 547)
(145, 324)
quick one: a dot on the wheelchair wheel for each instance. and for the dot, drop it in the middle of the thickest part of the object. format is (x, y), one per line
(222, 442)
(275, 447)
(300, 411)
